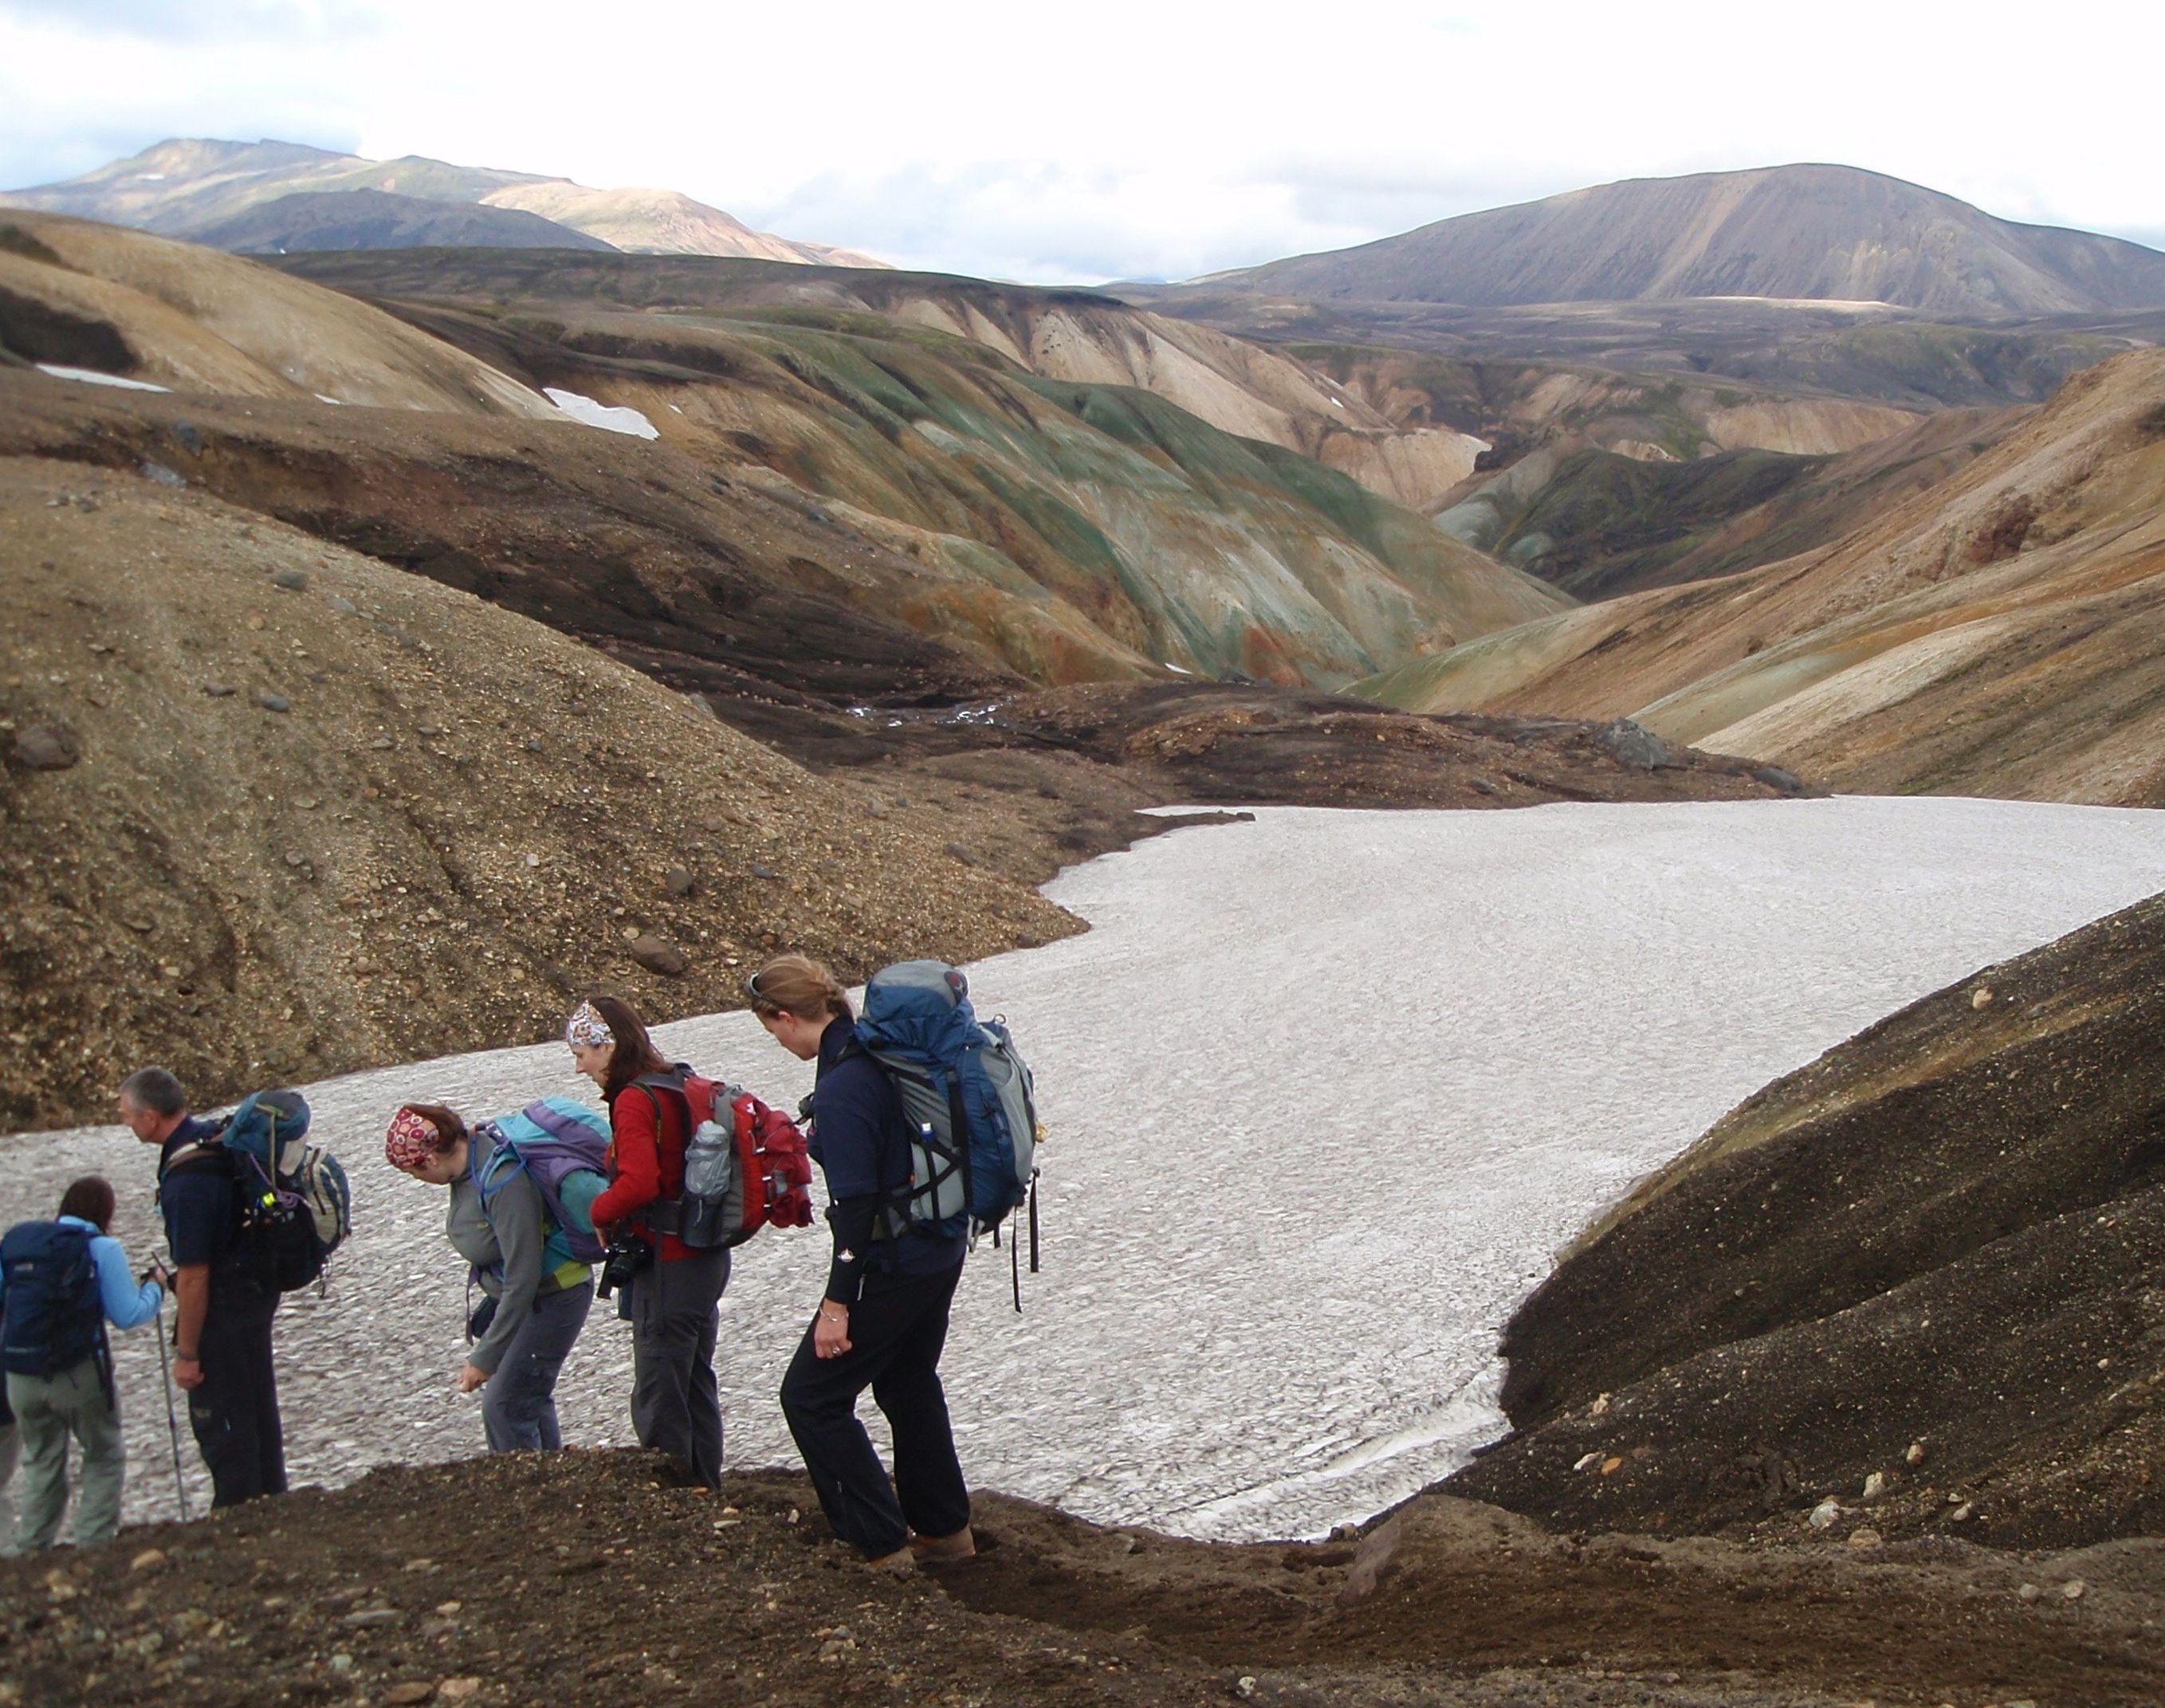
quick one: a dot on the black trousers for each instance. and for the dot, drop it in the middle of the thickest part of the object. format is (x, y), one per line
(234, 1413)
(897, 1330)
(676, 1406)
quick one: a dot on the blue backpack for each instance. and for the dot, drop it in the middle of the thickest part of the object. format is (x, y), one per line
(562, 1147)
(55, 1317)
(965, 1090)
(295, 1205)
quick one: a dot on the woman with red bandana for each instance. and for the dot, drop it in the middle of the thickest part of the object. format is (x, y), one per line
(673, 1298)
(536, 1293)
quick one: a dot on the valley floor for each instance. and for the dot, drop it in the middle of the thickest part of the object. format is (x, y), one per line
(1325, 1090)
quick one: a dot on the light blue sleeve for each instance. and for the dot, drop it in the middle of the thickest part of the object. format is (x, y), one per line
(126, 1305)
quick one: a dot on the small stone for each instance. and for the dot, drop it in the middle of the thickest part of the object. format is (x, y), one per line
(1482, 786)
(273, 702)
(677, 881)
(163, 475)
(1961, 1515)
(2029, 1592)
(1875, 1487)
(1244, 1685)
(2074, 1589)
(532, 861)
(657, 955)
(149, 1560)
(761, 871)
(458, 1690)
(1865, 1537)
(343, 606)
(1599, 1408)
(448, 1608)
(382, 743)
(1983, 999)
(1609, 1467)
(372, 1618)
(185, 435)
(1915, 1456)
(219, 690)
(955, 851)
(292, 580)
(46, 747)
(421, 1564)
(1825, 1514)
(1587, 1462)
(341, 1663)
(409, 1695)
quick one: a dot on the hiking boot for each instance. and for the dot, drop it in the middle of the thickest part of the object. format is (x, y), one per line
(944, 1550)
(903, 1559)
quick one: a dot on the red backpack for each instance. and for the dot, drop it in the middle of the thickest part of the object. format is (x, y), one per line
(746, 1167)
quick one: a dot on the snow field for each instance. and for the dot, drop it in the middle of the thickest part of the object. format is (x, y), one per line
(1325, 1092)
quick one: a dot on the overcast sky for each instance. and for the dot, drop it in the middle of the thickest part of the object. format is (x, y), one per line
(1107, 139)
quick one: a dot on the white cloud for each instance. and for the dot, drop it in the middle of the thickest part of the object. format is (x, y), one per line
(1132, 137)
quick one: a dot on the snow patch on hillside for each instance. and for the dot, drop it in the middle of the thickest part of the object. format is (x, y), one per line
(587, 411)
(1325, 1090)
(92, 376)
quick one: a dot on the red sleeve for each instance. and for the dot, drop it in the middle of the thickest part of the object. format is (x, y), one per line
(635, 1161)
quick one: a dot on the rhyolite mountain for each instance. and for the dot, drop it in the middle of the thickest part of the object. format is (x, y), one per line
(349, 219)
(190, 187)
(1824, 233)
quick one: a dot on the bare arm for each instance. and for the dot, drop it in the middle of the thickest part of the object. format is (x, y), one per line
(192, 1288)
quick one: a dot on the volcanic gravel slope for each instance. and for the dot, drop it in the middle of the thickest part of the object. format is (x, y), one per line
(271, 809)
(1936, 1255)
(585, 1579)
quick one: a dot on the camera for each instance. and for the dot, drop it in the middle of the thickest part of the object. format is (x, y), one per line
(624, 1259)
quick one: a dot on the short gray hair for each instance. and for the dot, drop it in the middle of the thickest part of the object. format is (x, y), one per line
(155, 1091)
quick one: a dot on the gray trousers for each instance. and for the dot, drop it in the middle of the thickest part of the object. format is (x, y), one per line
(48, 1410)
(519, 1406)
(675, 1407)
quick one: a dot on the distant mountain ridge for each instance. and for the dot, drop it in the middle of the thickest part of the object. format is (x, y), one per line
(193, 188)
(350, 220)
(1815, 232)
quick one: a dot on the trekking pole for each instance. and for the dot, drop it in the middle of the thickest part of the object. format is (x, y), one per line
(172, 1423)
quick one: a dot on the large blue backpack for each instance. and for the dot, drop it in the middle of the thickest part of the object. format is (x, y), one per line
(294, 1203)
(966, 1092)
(55, 1317)
(562, 1147)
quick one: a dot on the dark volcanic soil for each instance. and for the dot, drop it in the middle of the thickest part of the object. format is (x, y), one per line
(581, 1580)
(1936, 1255)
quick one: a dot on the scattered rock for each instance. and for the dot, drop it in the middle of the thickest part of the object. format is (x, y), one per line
(1587, 1462)
(678, 881)
(762, 871)
(1865, 1537)
(372, 1619)
(1875, 1487)
(341, 1663)
(46, 747)
(2029, 1592)
(343, 606)
(162, 475)
(1609, 1467)
(1482, 786)
(1915, 1456)
(1370, 1559)
(1983, 998)
(1774, 777)
(533, 860)
(149, 1560)
(657, 955)
(1825, 1514)
(2074, 1589)
(1961, 1515)
(219, 690)
(408, 1695)
(458, 1690)
(292, 580)
(382, 743)
(1599, 1408)
(956, 851)
(138, 925)
(1632, 745)
(188, 436)
(273, 702)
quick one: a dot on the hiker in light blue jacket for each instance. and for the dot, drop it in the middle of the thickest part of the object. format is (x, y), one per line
(61, 1282)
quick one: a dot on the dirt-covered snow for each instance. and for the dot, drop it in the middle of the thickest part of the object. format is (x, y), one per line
(1325, 1090)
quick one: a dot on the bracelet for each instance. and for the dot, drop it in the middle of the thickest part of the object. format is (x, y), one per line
(840, 1314)
(185, 1357)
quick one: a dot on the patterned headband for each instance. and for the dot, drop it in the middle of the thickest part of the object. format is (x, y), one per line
(412, 1141)
(588, 1029)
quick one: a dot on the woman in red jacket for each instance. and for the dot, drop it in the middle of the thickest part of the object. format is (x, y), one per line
(671, 1300)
